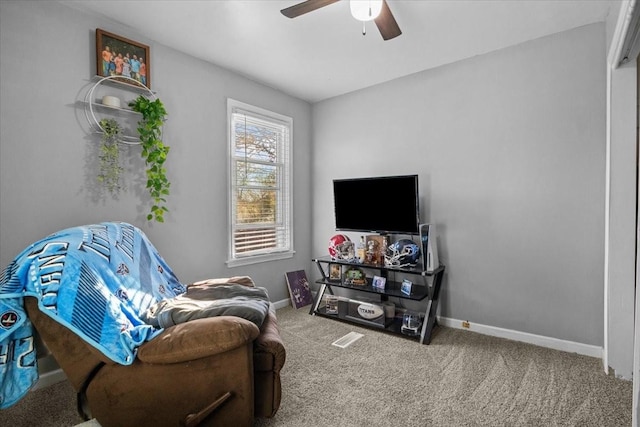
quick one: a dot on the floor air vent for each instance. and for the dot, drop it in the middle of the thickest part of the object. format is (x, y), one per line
(347, 340)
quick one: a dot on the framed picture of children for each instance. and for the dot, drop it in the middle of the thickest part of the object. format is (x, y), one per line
(119, 56)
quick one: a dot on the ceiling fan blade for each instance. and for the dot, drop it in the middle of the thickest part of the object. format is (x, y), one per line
(305, 7)
(387, 23)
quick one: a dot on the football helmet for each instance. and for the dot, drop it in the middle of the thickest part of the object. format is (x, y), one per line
(401, 253)
(341, 247)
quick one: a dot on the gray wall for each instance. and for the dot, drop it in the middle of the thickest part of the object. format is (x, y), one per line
(47, 161)
(510, 150)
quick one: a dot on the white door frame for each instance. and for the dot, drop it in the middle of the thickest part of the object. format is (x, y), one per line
(636, 333)
(613, 59)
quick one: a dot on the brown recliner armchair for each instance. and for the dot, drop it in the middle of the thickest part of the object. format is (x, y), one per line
(220, 371)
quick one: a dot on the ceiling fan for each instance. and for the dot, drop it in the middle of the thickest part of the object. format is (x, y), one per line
(363, 10)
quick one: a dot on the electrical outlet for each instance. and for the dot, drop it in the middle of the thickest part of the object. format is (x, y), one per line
(466, 324)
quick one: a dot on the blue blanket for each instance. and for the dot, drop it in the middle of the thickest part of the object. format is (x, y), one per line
(97, 280)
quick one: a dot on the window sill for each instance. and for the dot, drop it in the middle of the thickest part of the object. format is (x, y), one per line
(255, 259)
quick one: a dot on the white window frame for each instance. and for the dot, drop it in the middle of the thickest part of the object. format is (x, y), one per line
(285, 193)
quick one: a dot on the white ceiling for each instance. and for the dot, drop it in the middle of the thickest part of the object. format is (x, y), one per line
(323, 53)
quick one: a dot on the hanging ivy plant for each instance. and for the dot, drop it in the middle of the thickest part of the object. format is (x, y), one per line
(154, 152)
(110, 168)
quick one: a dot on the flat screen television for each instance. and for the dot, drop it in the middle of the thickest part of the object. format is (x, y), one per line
(384, 205)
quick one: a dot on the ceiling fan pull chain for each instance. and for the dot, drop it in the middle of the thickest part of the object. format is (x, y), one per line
(364, 28)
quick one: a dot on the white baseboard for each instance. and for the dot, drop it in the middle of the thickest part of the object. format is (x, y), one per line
(539, 340)
(50, 378)
(281, 304)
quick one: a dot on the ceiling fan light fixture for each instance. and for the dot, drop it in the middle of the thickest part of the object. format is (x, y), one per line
(365, 10)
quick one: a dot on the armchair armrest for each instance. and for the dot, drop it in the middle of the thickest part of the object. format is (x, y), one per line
(268, 348)
(198, 338)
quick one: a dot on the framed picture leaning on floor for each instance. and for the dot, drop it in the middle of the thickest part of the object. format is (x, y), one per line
(299, 288)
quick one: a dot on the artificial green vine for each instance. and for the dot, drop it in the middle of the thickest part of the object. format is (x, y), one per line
(110, 168)
(154, 152)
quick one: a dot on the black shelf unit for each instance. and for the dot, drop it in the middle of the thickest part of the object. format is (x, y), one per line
(419, 292)
(393, 327)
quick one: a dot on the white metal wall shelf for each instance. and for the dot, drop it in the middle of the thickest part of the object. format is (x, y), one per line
(91, 104)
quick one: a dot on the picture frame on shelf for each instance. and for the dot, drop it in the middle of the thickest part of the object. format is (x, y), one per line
(405, 288)
(335, 272)
(120, 56)
(379, 282)
(299, 289)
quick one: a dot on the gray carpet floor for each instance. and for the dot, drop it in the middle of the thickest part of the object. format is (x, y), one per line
(460, 379)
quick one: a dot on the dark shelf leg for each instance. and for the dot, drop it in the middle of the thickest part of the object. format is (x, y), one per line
(318, 298)
(429, 323)
(432, 308)
(321, 270)
(316, 301)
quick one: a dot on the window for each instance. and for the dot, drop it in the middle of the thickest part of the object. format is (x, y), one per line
(259, 184)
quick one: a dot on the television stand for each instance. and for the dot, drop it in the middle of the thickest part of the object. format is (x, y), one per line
(428, 289)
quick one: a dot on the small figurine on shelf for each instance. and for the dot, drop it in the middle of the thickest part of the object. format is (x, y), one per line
(383, 249)
(351, 252)
(354, 276)
(374, 254)
(371, 257)
(362, 251)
